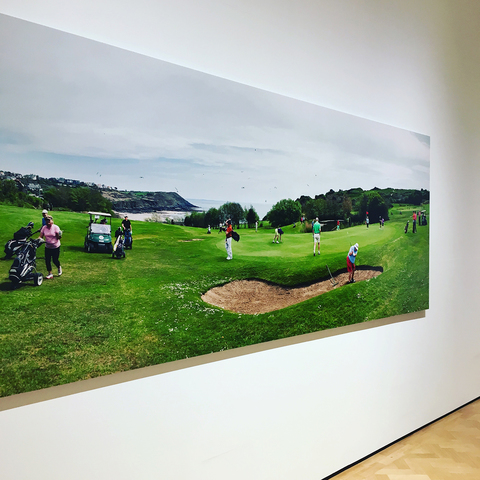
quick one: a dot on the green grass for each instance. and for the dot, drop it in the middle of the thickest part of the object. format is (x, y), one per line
(105, 315)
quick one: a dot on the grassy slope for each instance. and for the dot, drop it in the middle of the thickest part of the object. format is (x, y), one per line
(106, 315)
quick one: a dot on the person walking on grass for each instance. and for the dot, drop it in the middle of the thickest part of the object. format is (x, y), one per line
(52, 235)
(228, 239)
(414, 225)
(316, 228)
(352, 255)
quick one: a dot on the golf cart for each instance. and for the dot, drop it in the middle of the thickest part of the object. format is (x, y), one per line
(99, 233)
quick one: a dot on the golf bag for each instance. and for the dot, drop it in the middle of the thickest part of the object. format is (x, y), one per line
(20, 237)
(128, 241)
(24, 267)
(235, 236)
(406, 227)
(119, 247)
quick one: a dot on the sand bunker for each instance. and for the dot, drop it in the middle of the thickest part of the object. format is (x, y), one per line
(255, 296)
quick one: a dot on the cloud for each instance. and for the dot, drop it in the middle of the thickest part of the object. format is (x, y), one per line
(70, 103)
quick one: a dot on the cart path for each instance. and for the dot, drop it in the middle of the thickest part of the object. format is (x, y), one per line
(256, 296)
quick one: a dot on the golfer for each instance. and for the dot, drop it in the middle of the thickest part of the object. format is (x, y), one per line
(126, 225)
(316, 236)
(44, 215)
(352, 255)
(52, 235)
(278, 235)
(228, 239)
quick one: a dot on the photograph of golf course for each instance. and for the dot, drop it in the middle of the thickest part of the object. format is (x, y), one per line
(118, 121)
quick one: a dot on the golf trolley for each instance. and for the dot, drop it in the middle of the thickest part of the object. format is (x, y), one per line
(24, 267)
(20, 238)
(119, 247)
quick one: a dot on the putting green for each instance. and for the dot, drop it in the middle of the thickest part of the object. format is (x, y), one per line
(295, 244)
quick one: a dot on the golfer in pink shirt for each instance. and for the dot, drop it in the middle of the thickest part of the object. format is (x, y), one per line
(52, 234)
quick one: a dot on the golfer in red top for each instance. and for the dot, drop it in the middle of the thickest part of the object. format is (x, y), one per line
(228, 239)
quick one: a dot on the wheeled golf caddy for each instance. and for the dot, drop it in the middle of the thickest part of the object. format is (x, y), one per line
(24, 267)
(119, 247)
(20, 238)
(128, 240)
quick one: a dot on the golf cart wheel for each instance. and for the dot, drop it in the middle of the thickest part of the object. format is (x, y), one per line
(37, 279)
(90, 248)
(110, 248)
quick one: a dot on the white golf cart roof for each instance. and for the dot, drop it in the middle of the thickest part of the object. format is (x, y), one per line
(100, 213)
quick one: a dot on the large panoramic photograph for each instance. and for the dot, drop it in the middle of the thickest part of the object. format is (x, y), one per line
(153, 213)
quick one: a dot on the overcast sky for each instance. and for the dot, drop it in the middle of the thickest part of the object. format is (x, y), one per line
(75, 108)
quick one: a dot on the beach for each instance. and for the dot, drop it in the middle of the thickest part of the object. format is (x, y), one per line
(160, 216)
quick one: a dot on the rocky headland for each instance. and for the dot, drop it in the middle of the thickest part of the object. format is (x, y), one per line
(146, 202)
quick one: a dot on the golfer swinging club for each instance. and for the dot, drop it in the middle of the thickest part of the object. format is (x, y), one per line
(352, 255)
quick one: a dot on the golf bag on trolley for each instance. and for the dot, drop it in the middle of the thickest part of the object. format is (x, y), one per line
(128, 240)
(119, 247)
(24, 267)
(20, 238)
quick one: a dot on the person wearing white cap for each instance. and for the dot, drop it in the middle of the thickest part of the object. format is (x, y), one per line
(44, 217)
(352, 255)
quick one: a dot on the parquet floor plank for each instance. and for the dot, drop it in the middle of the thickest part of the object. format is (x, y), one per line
(448, 449)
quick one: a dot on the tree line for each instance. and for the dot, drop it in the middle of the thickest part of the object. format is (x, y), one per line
(217, 216)
(350, 207)
(10, 195)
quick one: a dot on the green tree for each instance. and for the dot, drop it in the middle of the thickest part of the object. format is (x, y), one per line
(251, 217)
(346, 206)
(8, 191)
(232, 211)
(284, 212)
(316, 208)
(195, 219)
(373, 203)
(212, 217)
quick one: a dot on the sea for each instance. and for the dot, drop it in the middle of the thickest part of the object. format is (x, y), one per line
(202, 205)
(261, 208)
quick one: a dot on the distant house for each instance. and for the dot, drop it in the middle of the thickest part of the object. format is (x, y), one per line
(34, 188)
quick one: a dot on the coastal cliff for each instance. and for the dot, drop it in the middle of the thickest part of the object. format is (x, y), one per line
(145, 202)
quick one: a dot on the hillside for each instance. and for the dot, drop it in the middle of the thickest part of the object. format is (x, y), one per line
(38, 192)
(145, 202)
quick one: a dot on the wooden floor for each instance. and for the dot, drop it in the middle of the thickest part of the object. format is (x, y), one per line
(448, 449)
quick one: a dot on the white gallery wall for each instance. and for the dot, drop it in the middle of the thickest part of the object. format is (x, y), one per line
(307, 410)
